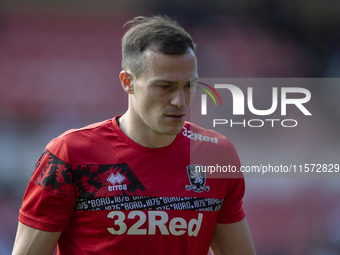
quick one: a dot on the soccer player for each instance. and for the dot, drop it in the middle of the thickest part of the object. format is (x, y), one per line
(135, 184)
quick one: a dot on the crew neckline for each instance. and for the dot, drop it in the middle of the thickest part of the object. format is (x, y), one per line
(139, 147)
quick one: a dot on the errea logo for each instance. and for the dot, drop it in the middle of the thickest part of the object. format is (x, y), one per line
(116, 178)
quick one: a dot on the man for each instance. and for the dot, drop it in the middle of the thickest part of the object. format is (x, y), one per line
(128, 185)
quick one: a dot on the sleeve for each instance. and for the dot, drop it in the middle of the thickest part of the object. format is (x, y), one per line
(49, 200)
(232, 207)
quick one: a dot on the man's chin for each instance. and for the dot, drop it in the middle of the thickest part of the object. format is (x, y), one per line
(174, 130)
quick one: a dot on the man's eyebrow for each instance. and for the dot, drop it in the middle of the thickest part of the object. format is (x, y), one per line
(163, 81)
(195, 79)
(173, 82)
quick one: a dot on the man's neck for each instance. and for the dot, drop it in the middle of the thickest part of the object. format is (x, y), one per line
(143, 136)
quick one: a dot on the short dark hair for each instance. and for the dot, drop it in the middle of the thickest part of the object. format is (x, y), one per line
(158, 32)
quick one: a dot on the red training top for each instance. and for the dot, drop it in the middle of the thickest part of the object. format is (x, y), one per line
(110, 195)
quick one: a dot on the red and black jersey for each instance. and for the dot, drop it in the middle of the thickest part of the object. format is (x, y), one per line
(110, 195)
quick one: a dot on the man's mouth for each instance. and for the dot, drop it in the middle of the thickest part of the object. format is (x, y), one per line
(176, 116)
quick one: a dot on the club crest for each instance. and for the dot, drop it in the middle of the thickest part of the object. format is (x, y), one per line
(197, 178)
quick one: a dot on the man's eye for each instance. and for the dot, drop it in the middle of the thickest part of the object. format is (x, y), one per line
(164, 86)
(191, 85)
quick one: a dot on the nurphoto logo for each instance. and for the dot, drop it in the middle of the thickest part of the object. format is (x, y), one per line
(242, 101)
(204, 97)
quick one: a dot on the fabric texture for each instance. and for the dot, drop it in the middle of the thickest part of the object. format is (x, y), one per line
(110, 195)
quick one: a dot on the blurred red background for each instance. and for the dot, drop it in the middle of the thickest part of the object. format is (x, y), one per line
(59, 66)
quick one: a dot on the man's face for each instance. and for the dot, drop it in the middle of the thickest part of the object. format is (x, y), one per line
(163, 92)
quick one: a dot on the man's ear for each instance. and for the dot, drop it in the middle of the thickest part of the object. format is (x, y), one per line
(126, 81)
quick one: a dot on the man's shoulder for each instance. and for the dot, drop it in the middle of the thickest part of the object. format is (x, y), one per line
(200, 134)
(94, 129)
(85, 138)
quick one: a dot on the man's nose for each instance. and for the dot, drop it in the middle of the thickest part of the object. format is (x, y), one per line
(179, 99)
